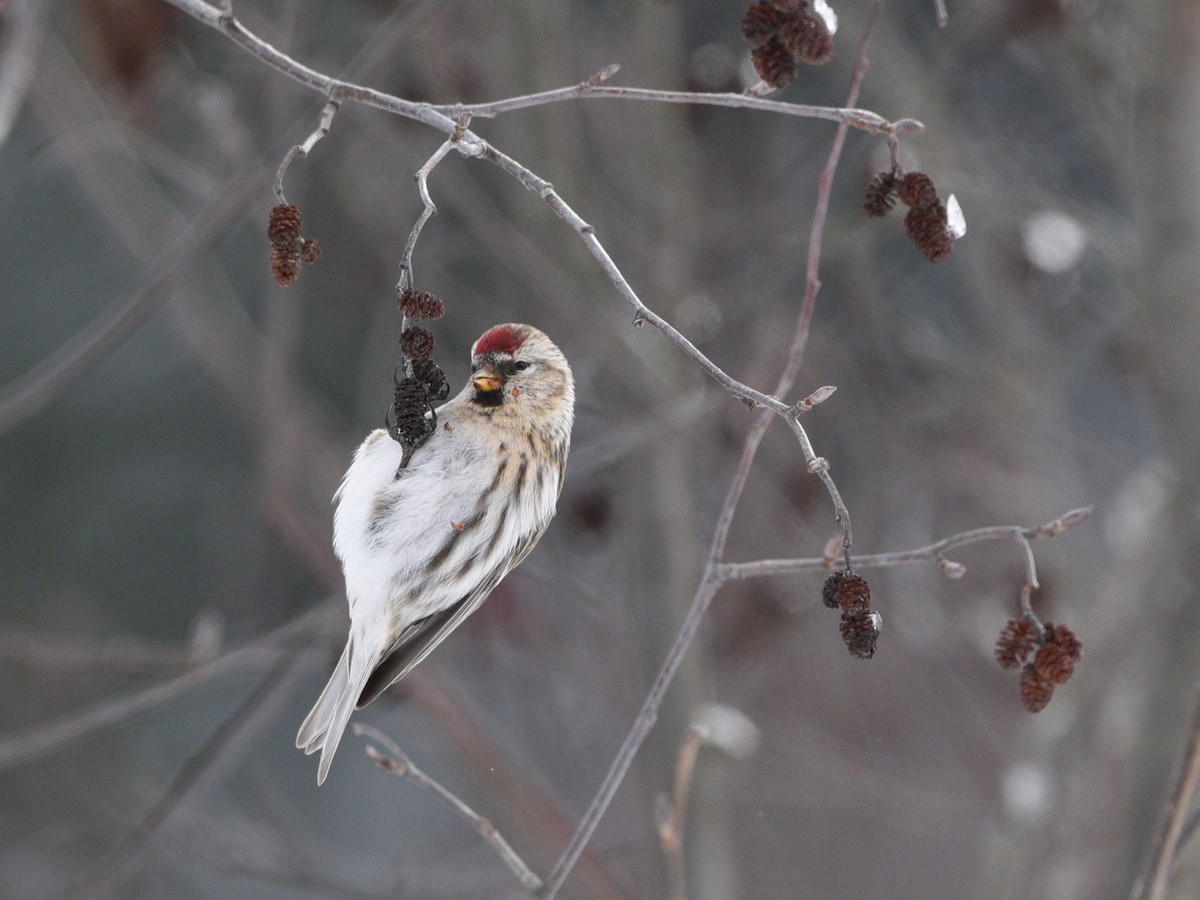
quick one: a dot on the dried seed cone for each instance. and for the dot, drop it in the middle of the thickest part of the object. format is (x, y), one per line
(927, 227)
(916, 189)
(881, 195)
(854, 595)
(1015, 643)
(285, 266)
(283, 226)
(759, 24)
(409, 406)
(774, 63)
(829, 591)
(1064, 637)
(860, 634)
(1036, 691)
(420, 305)
(416, 343)
(806, 37)
(1054, 663)
(430, 374)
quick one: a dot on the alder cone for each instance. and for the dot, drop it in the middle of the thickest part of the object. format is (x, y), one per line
(806, 38)
(881, 195)
(927, 227)
(774, 63)
(1036, 691)
(759, 24)
(916, 189)
(283, 226)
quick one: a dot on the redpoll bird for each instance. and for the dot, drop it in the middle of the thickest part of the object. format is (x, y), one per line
(422, 546)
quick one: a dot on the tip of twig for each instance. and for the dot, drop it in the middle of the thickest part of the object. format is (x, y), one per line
(1066, 520)
(726, 728)
(604, 74)
(951, 569)
(817, 397)
(907, 126)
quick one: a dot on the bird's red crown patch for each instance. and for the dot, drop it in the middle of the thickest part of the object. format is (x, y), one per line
(501, 339)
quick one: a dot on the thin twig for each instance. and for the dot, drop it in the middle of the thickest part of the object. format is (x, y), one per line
(422, 177)
(43, 739)
(33, 390)
(931, 553)
(305, 147)
(862, 119)
(470, 144)
(709, 583)
(672, 815)
(24, 38)
(110, 874)
(1155, 878)
(397, 762)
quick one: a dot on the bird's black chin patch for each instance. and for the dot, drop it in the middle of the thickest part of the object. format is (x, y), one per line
(489, 398)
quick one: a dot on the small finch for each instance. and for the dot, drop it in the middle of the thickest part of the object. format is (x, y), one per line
(423, 546)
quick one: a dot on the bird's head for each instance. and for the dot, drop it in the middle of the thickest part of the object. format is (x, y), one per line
(517, 370)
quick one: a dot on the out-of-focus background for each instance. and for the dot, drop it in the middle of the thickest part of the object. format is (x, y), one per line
(172, 426)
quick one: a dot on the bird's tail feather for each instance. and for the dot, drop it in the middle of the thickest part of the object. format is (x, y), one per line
(326, 723)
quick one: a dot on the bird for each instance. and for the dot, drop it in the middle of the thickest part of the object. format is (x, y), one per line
(423, 538)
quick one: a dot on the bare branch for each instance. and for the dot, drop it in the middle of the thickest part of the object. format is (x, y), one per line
(710, 583)
(672, 814)
(862, 119)
(397, 762)
(44, 739)
(305, 147)
(32, 391)
(931, 553)
(227, 742)
(1156, 876)
(20, 53)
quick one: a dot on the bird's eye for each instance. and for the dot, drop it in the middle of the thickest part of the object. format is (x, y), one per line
(522, 365)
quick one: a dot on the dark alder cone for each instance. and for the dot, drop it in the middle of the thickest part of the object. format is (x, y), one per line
(430, 374)
(759, 24)
(412, 425)
(927, 227)
(854, 595)
(860, 634)
(774, 63)
(881, 195)
(283, 226)
(1064, 637)
(416, 343)
(310, 250)
(806, 37)
(1016, 640)
(916, 189)
(285, 266)
(420, 305)
(829, 591)
(1054, 663)
(1036, 691)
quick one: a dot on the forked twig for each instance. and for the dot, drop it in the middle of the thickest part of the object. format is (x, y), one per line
(396, 761)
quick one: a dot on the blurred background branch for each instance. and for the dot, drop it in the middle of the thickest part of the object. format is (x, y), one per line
(185, 464)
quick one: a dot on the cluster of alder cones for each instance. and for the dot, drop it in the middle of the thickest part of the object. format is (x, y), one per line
(860, 624)
(781, 35)
(288, 247)
(927, 222)
(411, 419)
(1045, 654)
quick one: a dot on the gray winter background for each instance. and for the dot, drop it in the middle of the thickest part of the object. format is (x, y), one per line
(173, 426)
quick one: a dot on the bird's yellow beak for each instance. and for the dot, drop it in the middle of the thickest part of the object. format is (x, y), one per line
(487, 380)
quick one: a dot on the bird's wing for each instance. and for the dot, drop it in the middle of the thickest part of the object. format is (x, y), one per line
(419, 639)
